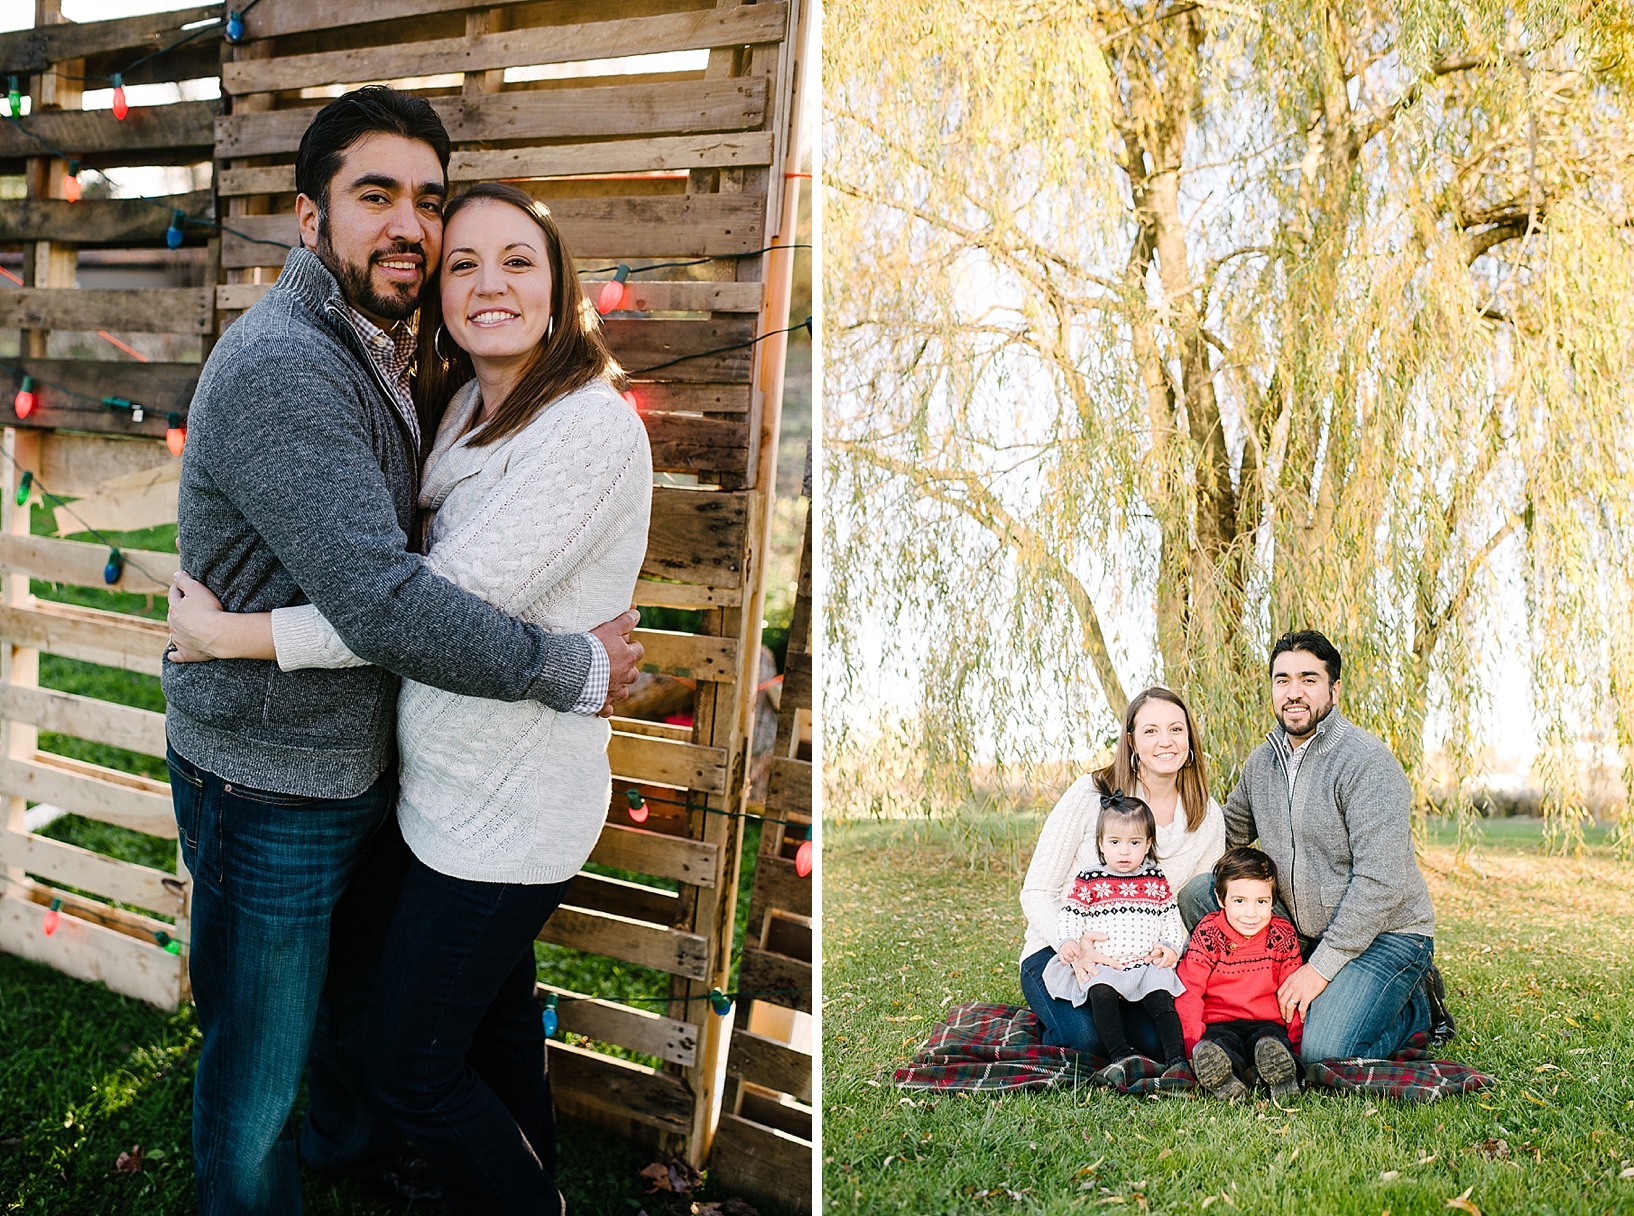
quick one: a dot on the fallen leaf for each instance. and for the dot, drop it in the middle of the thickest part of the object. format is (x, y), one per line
(1532, 1100)
(1210, 1199)
(1547, 1068)
(1389, 1175)
(1462, 1203)
(1496, 1150)
(1292, 1155)
(129, 1163)
(1628, 1173)
(888, 1161)
(1423, 1160)
(1168, 1152)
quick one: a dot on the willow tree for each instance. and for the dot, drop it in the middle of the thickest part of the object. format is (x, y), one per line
(1217, 319)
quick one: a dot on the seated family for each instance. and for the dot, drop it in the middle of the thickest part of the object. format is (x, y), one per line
(1319, 944)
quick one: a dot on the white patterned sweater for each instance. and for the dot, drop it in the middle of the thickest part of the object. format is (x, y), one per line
(1136, 911)
(549, 525)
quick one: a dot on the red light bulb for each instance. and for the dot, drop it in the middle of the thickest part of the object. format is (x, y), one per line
(176, 435)
(631, 399)
(70, 188)
(638, 814)
(52, 918)
(802, 859)
(612, 292)
(25, 401)
(120, 108)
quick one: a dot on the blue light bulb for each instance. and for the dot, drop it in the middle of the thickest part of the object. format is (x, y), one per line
(235, 27)
(173, 234)
(115, 568)
(549, 1018)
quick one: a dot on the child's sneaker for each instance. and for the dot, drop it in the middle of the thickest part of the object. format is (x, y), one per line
(1275, 1066)
(1213, 1070)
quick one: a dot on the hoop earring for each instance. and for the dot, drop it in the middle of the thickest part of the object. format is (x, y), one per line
(1134, 762)
(1189, 757)
(437, 345)
(550, 327)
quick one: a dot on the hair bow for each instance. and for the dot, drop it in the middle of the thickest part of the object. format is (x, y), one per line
(1113, 801)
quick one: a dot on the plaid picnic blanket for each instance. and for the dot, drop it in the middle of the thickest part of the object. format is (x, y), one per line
(989, 1047)
(997, 1047)
(1410, 1074)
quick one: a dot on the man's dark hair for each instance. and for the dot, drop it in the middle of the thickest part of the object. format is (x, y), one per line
(351, 116)
(1243, 863)
(1311, 642)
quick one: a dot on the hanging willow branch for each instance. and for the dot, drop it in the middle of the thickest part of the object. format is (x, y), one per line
(1156, 329)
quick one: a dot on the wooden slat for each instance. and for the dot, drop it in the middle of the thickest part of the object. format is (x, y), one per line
(588, 1084)
(679, 225)
(650, 594)
(91, 634)
(656, 396)
(92, 952)
(599, 893)
(160, 387)
(401, 18)
(767, 1062)
(124, 222)
(143, 499)
(634, 108)
(142, 808)
(71, 866)
(646, 343)
(689, 766)
(682, 443)
(149, 135)
(778, 886)
(768, 976)
(72, 561)
(32, 50)
(619, 156)
(673, 950)
(727, 27)
(697, 537)
(796, 683)
(623, 1025)
(761, 1163)
(150, 311)
(77, 465)
(137, 730)
(688, 654)
(788, 787)
(690, 861)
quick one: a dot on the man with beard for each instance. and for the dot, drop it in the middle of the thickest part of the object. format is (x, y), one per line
(299, 484)
(1331, 805)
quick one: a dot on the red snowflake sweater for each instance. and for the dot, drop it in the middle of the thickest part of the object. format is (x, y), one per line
(1229, 977)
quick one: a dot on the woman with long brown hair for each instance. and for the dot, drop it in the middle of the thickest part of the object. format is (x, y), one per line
(535, 496)
(1158, 759)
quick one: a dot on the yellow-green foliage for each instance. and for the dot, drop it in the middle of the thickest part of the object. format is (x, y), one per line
(1266, 316)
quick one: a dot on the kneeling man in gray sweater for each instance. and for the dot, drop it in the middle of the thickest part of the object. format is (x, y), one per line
(1330, 804)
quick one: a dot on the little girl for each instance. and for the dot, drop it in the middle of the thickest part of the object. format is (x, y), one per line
(1127, 899)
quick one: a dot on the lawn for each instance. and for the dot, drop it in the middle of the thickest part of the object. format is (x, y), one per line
(1539, 960)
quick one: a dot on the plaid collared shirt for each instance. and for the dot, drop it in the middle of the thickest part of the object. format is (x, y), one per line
(393, 353)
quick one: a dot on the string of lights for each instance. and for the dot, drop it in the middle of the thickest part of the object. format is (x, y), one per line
(611, 298)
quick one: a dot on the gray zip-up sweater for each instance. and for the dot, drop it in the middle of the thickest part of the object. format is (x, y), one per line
(1342, 840)
(298, 485)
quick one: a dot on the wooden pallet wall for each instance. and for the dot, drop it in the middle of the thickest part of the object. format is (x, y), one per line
(763, 1146)
(681, 163)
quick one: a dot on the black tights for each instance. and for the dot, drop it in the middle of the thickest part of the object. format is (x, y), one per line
(1106, 1007)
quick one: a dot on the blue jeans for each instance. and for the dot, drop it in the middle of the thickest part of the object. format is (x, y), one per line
(1069, 1025)
(268, 870)
(1371, 1008)
(457, 1051)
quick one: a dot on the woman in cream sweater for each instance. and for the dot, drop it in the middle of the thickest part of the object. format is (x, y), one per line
(1159, 759)
(536, 495)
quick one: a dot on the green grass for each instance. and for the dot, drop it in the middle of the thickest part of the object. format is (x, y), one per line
(1537, 957)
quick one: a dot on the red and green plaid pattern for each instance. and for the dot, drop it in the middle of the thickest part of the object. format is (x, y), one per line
(1410, 1074)
(997, 1047)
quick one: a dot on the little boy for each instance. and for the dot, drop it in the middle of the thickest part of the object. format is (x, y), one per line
(1232, 968)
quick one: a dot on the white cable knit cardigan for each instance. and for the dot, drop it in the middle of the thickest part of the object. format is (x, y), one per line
(549, 525)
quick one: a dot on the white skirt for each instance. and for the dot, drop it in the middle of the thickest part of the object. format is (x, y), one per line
(1061, 981)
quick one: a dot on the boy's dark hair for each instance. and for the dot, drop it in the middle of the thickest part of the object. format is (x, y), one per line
(1311, 642)
(1243, 863)
(1122, 807)
(351, 116)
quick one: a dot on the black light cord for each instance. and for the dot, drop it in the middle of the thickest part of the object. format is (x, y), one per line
(720, 350)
